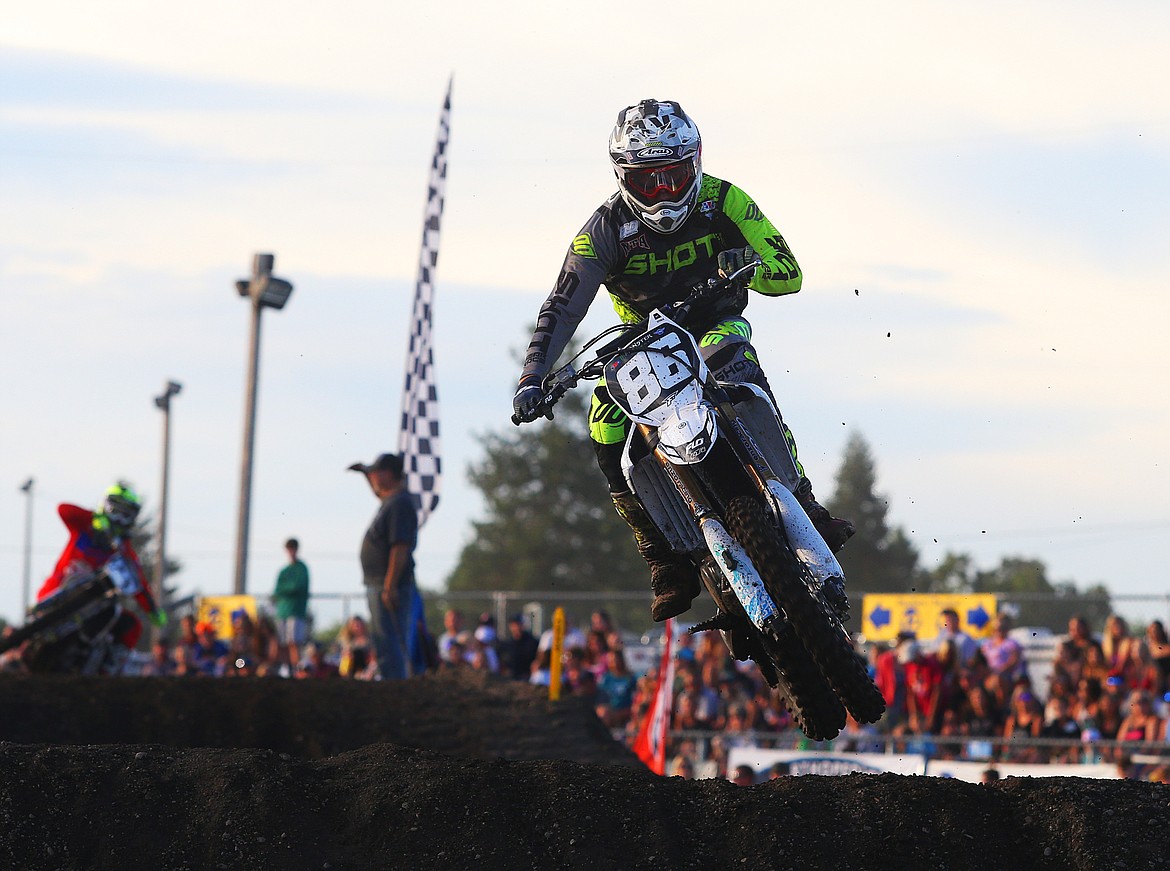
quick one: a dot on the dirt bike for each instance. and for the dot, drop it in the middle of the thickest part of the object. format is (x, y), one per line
(75, 630)
(709, 461)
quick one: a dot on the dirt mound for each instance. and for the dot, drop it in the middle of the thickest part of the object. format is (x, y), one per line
(465, 713)
(468, 772)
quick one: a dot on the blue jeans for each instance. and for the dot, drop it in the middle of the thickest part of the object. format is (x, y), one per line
(392, 631)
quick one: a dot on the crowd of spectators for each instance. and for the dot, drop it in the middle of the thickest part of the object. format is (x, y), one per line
(253, 648)
(965, 695)
(954, 697)
(968, 699)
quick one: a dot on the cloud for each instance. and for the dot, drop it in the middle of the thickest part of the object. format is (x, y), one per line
(1103, 195)
(966, 178)
(47, 80)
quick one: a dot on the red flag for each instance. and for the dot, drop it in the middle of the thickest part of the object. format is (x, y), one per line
(650, 745)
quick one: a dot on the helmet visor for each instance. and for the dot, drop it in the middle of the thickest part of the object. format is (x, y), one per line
(653, 184)
(121, 512)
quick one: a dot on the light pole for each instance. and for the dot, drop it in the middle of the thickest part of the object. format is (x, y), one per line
(27, 489)
(265, 291)
(163, 402)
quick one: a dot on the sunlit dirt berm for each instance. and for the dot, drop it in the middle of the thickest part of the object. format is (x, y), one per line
(469, 772)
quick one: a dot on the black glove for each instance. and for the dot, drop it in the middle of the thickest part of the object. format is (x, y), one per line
(526, 401)
(735, 258)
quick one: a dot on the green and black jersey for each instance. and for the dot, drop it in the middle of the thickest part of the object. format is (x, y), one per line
(643, 269)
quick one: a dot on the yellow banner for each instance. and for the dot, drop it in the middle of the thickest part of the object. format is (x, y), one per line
(883, 616)
(217, 610)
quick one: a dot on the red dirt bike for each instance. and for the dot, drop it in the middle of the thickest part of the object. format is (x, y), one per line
(709, 461)
(76, 630)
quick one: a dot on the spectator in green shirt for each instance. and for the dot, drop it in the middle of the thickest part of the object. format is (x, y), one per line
(291, 598)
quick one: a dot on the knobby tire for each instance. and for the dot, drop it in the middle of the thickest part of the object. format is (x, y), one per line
(819, 632)
(805, 692)
(71, 601)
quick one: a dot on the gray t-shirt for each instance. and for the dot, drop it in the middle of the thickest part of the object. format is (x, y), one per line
(396, 521)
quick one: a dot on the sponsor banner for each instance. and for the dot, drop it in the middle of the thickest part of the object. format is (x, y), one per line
(801, 762)
(884, 616)
(217, 610)
(973, 771)
(825, 761)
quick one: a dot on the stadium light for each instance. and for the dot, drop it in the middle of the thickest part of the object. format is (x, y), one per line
(27, 489)
(264, 290)
(163, 403)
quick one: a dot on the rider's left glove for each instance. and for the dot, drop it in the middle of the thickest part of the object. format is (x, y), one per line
(526, 402)
(735, 258)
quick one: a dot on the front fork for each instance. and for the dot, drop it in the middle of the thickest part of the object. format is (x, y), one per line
(803, 538)
(729, 556)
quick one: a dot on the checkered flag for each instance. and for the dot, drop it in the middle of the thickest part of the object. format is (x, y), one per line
(418, 439)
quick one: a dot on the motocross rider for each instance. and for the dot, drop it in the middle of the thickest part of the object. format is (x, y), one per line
(95, 537)
(669, 227)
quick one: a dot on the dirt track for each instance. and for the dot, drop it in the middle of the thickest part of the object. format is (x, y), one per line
(468, 772)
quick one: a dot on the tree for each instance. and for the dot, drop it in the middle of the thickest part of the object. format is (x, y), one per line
(877, 559)
(1023, 585)
(144, 539)
(954, 574)
(550, 523)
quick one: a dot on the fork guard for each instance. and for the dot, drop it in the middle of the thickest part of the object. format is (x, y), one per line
(737, 568)
(803, 537)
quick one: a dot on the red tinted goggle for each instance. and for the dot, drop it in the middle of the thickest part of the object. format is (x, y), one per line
(655, 182)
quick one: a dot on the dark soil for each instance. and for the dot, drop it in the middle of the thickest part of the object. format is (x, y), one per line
(463, 771)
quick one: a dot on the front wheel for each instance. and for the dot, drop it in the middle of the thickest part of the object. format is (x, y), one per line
(786, 579)
(782, 660)
(52, 611)
(801, 686)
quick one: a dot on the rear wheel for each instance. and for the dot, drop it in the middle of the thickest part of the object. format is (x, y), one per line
(818, 631)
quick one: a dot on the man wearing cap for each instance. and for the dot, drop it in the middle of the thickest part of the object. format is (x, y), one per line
(388, 565)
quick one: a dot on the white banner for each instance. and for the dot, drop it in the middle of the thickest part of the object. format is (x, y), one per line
(824, 762)
(418, 439)
(827, 762)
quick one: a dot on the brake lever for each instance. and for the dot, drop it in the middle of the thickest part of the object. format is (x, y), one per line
(564, 380)
(682, 308)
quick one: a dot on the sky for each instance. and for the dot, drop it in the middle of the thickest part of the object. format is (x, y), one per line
(976, 194)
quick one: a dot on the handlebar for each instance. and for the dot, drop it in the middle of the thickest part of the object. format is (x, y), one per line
(559, 382)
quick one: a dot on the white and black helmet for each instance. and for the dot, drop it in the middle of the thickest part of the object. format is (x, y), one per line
(121, 507)
(657, 157)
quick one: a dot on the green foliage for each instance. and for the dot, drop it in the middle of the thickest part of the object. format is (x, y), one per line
(877, 559)
(1023, 585)
(327, 635)
(144, 538)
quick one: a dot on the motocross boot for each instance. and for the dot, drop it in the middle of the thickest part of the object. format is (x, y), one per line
(673, 579)
(835, 532)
